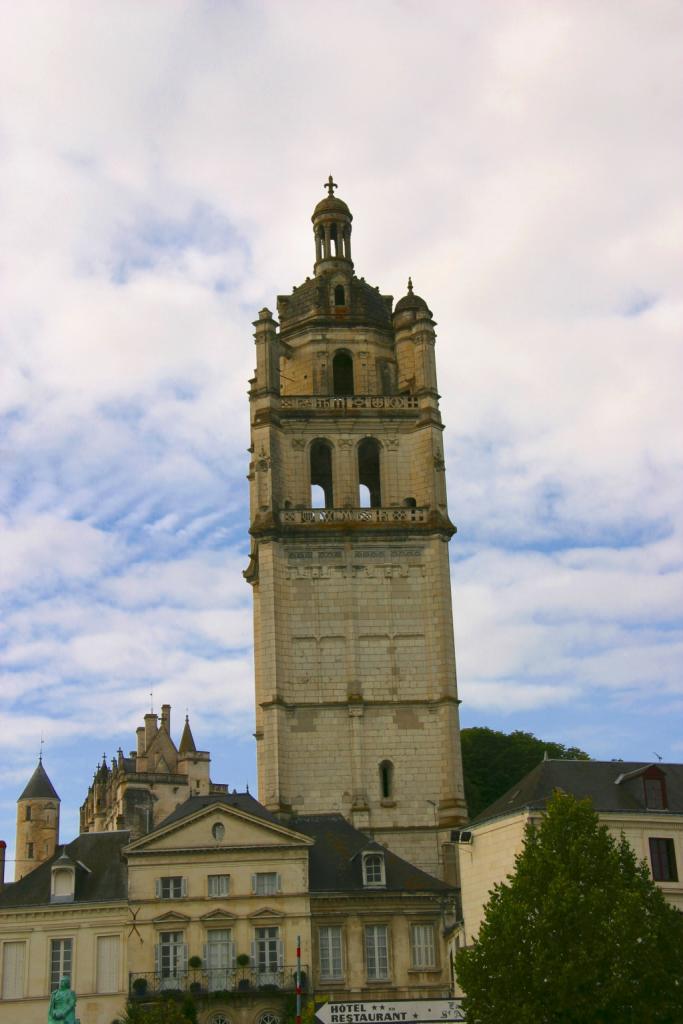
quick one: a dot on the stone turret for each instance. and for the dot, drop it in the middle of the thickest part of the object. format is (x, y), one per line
(138, 791)
(37, 822)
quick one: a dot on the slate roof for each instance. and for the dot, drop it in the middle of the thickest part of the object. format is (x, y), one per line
(105, 879)
(39, 785)
(243, 801)
(335, 862)
(594, 779)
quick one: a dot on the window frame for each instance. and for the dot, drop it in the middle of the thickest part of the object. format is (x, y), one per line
(663, 864)
(24, 961)
(330, 975)
(217, 895)
(376, 975)
(161, 884)
(266, 891)
(61, 940)
(373, 883)
(428, 929)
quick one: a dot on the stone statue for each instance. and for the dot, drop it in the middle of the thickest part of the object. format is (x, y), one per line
(62, 1004)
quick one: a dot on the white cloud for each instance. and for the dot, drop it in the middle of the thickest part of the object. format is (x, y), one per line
(159, 166)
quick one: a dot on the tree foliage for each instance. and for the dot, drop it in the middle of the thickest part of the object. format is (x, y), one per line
(579, 933)
(494, 761)
(160, 1011)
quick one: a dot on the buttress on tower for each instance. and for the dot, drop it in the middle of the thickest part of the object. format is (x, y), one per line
(356, 700)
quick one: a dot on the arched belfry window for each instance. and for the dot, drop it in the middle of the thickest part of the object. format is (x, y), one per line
(334, 241)
(342, 373)
(339, 297)
(386, 780)
(322, 495)
(368, 473)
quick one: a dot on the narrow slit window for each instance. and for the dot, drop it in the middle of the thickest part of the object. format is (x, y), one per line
(368, 471)
(342, 373)
(322, 495)
(339, 297)
(386, 779)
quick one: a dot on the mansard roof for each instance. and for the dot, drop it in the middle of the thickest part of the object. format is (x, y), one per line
(242, 801)
(39, 786)
(104, 880)
(613, 786)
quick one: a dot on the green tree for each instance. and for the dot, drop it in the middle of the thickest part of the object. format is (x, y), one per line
(494, 761)
(160, 1011)
(579, 933)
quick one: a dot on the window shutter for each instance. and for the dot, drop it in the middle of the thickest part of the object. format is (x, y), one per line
(157, 959)
(232, 954)
(253, 883)
(253, 954)
(183, 962)
(205, 955)
(157, 888)
(278, 883)
(183, 887)
(280, 954)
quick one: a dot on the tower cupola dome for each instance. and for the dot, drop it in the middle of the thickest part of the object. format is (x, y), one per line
(332, 231)
(411, 301)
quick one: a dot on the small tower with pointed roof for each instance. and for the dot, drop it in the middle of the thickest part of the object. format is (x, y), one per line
(37, 822)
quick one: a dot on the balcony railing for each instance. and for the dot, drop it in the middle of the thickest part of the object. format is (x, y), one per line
(228, 979)
(305, 516)
(350, 403)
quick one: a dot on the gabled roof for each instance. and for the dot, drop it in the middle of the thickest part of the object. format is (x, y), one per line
(335, 864)
(242, 805)
(611, 785)
(104, 879)
(39, 786)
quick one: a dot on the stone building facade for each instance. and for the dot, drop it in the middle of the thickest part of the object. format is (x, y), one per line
(356, 700)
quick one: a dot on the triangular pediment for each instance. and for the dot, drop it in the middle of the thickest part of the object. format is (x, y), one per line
(218, 915)
(218, 827)
(265, 912)
(170, 917)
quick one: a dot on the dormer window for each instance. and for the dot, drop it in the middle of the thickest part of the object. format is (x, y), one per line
(63, 880)
(373, 870)
(655, 790)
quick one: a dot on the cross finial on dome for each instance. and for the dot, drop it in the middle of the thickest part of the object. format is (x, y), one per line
(330, 185)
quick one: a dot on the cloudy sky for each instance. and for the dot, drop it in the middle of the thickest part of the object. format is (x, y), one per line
(159, 163)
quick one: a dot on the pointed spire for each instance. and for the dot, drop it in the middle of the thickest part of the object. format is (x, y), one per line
(39, 785)
(187, 745)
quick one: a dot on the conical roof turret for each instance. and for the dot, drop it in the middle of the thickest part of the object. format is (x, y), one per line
(187, 744)
(39, 785)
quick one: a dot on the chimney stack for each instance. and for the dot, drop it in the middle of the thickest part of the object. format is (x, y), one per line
(166, 718)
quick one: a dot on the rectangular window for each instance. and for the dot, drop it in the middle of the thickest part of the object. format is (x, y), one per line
(29, 851)
(422, 951)
(171, 959)
(61, 961)
(108, 953)
(330, 952)
(219, 885)
(663, 860)
(172, 887)
(266, 883)
(267, 954)
(220, 959)
(13, 960)
(377, 952)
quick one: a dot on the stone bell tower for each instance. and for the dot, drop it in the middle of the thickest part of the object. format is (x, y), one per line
(356, 702)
